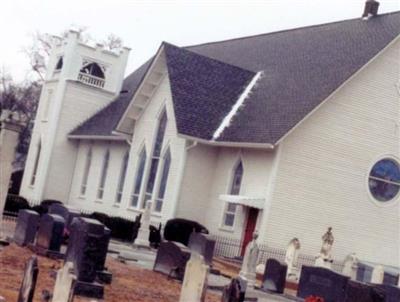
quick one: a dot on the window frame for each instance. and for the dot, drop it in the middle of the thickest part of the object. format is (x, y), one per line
(103, 175)
(122, 177)
(381, 204)
(154, 157)
(141, 182)
(230, 189)
(35, 169)
(86, 171)
(162, 176)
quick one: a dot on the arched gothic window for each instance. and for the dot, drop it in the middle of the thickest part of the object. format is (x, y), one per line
(93, 69)
(36, 163)
(163, 181)
(85, 177)
(139, 177)
(230, 208)
(155, 159)
(103, 176)
(122, 176)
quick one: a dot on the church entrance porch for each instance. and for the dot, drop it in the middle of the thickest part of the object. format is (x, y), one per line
(250, 227)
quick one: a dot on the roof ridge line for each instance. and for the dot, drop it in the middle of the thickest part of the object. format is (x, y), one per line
(283, 31)
(207, 57)
(243, 96)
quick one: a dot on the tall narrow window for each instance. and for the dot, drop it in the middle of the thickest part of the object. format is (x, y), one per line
(163, 182)
(138, 178)
(103, 176)
(36, 164)
(122, 176)
(155, 159)
(230, 210)
(85, 177)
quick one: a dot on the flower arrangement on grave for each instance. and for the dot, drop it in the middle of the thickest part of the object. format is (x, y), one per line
(314, 299)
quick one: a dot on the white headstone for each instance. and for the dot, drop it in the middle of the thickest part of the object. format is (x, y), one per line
(195, 280)
(62, 288)
(248, 270)
(142, 238)
(291, 258)
(350, 266)
(377, 274)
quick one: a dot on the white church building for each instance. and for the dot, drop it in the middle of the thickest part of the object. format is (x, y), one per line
(287, 132)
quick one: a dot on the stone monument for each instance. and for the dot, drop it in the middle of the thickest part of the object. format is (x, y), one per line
(28, 285)
(63, 287)
(377, 274)
(50, 236)
(235, 291)
(204, 245)
(350, 266)
(27, 225)
(324, 259)
(291, 259)
(194, 284)
(10, 128)
(142, 238)
(248, 270)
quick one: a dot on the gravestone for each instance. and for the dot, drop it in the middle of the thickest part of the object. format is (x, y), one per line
(155, 236)
(27, 225)
(324, 258)
(318, 281)
(274, 278)
(377, 274)
(171, 259)
(361, 292)
(235, 291)
(28, 285)
(73, 213)
(63, 286)
(143, 235)
(194, 284)
(50, 235)
(87, 250)
(392, 292)
(59, 209)
(203, 245)
(350, 266)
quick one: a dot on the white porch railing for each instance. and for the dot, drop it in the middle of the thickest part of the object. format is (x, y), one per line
(91, 80)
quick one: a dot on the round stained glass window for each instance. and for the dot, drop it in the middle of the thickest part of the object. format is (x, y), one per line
(384, 180)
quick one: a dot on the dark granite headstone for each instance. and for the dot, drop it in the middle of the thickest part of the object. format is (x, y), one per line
(318, 281)
(202, 244)
(391, 278)
(274, 278)
(234, 292)
(28, 285)
(27, 225)
(50, 234)
(179, 230)
(72, 214)
(171, 259)
(392, 292)
(361, 292)
(59, 209)
(87, 248)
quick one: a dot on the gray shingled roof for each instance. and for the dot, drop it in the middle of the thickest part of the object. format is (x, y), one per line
(302, 67)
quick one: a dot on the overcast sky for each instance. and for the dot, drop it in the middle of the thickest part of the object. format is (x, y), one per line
(143, 25)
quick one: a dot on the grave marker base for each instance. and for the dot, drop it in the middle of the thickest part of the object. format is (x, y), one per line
(89, 290)
(104, 277)
(46, 253)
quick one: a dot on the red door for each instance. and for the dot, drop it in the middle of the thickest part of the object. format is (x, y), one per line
(250, 227)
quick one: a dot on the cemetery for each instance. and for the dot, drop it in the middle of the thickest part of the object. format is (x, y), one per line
(242, 194)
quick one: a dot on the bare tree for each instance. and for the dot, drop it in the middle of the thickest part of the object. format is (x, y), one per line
(21, 99)
(38, 51)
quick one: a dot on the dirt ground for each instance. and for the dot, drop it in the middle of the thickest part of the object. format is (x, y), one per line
(130, 283)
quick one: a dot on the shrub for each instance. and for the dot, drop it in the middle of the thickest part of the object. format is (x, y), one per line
(14, 203)
(179, 229)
